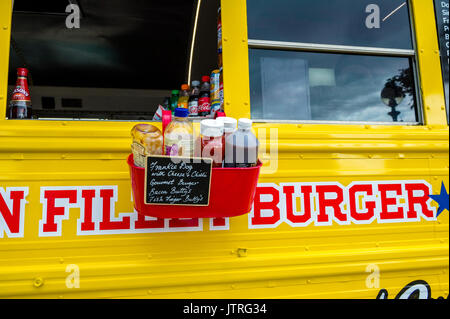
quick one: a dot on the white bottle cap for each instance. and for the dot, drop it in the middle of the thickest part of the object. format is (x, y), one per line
(229, 123)
(245, 124)
(211, 128)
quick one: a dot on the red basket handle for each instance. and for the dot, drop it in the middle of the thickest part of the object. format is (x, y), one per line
(166, 119)
(220, 114)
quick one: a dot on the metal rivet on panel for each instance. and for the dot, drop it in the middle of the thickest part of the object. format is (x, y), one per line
(38, 282)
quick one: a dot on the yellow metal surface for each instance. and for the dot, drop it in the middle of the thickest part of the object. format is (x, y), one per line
(238, 262)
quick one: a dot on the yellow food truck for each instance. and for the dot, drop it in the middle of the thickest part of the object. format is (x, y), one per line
(349, 101)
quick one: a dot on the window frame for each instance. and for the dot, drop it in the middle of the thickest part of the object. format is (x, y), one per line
(424, 36)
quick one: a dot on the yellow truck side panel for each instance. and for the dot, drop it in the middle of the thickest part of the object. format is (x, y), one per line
(235, 260)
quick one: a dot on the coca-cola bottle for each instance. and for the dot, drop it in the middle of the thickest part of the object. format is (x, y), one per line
(204, 102)
(20, 104)
(193, 98)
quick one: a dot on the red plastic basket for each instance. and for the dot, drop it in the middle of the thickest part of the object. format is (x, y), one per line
(231, 194)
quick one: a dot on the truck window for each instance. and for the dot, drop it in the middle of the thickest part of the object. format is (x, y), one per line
(442, 20)
(346, 61)
(119, 63)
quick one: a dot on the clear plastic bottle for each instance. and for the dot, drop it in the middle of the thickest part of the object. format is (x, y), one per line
(204, 102)
(174, 100)
(184, 97)
(179, 135)
(193, 99)
(241, 147)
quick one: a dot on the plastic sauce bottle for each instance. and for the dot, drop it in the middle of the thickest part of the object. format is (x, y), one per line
(241, 147)
(212, 141)
(178, 136)
(184, 97)
(193, 99)
(229, 127)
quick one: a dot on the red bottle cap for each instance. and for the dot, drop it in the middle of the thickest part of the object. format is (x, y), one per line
(205, 78)
(22, 72)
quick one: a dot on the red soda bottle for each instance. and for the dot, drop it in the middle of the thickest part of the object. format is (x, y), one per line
(204, 101)
(20, 104)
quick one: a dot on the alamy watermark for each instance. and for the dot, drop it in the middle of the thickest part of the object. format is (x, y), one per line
(74, 17)
(373, 19)
(373, 279)
(73, 279)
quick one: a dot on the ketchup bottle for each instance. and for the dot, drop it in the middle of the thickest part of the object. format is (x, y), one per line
(212, 141)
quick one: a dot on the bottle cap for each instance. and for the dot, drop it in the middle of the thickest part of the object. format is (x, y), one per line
(205, 78)
(181, 112)
(22, 72)
(245, 124)
(211, 128)
(185, 87)
(195, 83)
(229, 123)
(175, 92)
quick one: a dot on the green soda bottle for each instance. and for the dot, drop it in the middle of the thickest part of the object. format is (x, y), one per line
(174, 100)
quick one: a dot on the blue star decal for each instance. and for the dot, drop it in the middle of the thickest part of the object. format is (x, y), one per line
(442, 199)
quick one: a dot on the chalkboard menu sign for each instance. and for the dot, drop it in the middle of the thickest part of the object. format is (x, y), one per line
(442, 19)
(177, 181)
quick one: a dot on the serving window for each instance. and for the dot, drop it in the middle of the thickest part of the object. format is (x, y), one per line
(120, 63)
(326, 61)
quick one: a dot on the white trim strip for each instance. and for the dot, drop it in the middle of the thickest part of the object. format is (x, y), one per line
(264, 44)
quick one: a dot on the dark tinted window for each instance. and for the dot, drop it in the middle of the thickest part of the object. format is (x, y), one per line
(121, 60)
(337, 22)
(120, 44)
(287, 85)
